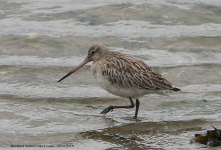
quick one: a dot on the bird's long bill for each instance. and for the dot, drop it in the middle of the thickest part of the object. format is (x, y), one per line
(85, 61)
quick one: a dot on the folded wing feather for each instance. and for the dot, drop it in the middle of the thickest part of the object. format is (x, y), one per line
(122, 70)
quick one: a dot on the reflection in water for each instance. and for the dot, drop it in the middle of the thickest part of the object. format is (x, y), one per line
(43, 39)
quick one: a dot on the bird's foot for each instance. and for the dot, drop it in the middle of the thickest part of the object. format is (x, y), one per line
(134, 117)
(106, 110)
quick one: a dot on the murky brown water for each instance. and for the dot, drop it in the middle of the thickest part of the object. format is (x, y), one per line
(43, 40)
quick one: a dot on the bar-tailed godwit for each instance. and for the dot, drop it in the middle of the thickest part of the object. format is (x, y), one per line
(123, 75)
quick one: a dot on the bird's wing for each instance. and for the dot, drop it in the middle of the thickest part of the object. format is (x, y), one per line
(128, 71)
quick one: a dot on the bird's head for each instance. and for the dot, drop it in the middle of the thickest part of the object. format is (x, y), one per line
(96, 52)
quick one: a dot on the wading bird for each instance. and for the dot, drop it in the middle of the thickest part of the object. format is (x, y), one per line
(123, 75)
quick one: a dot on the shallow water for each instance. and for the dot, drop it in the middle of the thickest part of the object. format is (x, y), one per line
(43, 40)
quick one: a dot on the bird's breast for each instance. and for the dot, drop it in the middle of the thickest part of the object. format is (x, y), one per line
(96, 69)
(116, 89)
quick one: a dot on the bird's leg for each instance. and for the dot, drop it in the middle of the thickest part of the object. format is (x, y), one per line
(137, 108)
(110, 108)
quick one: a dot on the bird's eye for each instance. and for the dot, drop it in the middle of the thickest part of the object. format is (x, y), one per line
(92, 52)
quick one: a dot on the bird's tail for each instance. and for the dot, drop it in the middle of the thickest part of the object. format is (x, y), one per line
(175, 89)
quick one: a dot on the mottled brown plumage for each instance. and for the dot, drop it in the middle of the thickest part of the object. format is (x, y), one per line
(123, 75)
(127, 71)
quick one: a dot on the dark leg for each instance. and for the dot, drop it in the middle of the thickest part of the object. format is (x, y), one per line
(110, 108)
(137, 108)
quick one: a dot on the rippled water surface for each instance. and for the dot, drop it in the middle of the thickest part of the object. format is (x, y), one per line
(42, 40)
